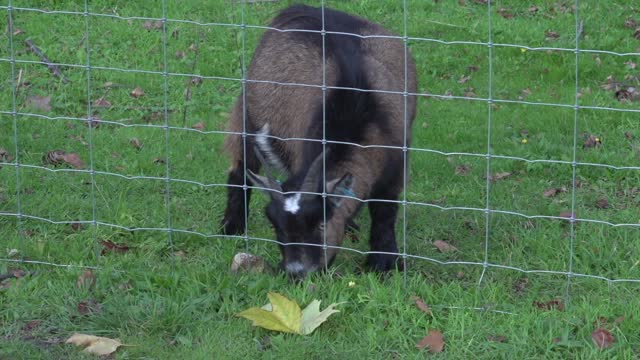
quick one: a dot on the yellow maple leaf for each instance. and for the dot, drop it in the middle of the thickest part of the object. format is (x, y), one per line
(284, 315)
(95, 344)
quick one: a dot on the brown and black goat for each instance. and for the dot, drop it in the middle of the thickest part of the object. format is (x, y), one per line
(366, 132)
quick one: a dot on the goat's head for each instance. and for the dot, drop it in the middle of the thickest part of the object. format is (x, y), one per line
(303, 220)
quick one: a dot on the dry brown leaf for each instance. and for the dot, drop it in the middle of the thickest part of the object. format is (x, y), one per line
(592, 141)
(463, 169)
(89, 306)
(152, 25)
(602, 338)
(198, 126)
(554, 191)
(630, 64)
(630, 23)
(87, 280)
(73, 159)
(95, 344)
(464, 78)
(497, 338)
(422, 305)
(434, 341)
(551, 35)
(137, 92)
(555, 304)
(533, 9)
(159, 161)
(187, 93)
(636, 34)
(110, 246)
(196, 80)
(567, 215)
(180, 54)
(499, 176)
(102, 102)
(602, 203)
(17, 32)
(444, 246)
(505, 13)
(473, 68)
(629, 135)
(41, 103)
(193, 47)
(76, 226)
(136, 143)
(469, 92)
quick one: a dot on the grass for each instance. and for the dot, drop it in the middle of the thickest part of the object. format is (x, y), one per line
(172, 295)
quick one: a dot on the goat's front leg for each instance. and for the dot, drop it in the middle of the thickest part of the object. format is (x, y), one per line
(383, 236)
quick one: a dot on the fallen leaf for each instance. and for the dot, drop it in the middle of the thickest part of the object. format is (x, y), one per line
(629, 135)
(630, 23)
(175, 33)
(444, 247)
(41, 103)
(463, 169)
(198, 126)
(505, 13)
(152, 25)
(602, 203)
(499, 176)
(555, 304)
(434, 341)
(137, 92)
(110, 246)
(136, 143)
(87, 280)
(28, 328)
(89, 306)
(102, 102)
(187, 93)
(533, 9)
(520, 286)
(193, 47)
(636, 34)
(312, 317)
(619, 320)
(551, 192)
(180, 54)
(76, 226)
(464, 78)
(497, 338)
(284, 315)
(551, 35)
(473, 68)
(96, 345)
(159, 161)
(592, 141)
(17, 32)
(422, 305)
(567, 215)
(602, 338)
(73, 159)
(630, 64)
(196, 80)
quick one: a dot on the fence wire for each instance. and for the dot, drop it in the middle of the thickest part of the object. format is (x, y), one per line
(488, 210)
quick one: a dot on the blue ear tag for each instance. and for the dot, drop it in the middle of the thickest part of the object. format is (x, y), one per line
(347, 191)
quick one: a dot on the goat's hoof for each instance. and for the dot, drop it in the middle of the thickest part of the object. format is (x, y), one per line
(383, 262)
(231, 227)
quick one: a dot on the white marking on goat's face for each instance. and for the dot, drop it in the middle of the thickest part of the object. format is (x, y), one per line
(295, 267)
(262, 139)
(292, 203)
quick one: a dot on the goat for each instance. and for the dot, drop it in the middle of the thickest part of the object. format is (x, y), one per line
(366, 135)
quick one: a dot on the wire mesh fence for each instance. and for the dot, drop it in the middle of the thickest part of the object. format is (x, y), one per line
(23, 166)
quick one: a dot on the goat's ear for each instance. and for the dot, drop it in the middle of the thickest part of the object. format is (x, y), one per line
(340, 186)
(269, 186)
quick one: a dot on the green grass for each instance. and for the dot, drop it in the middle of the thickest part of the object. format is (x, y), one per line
(177, 299)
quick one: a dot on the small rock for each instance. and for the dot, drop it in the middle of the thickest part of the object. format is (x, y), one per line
(244, 262)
